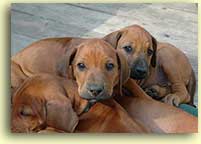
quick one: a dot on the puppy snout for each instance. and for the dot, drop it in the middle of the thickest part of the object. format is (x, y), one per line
(141, 70)
(95, 89)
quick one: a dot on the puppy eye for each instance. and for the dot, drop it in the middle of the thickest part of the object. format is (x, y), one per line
(81, 66)
(128, 49)
(149, 52)
(109, 66)
(25, 113)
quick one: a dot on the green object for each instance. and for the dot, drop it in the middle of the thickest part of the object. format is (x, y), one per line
(190, 109)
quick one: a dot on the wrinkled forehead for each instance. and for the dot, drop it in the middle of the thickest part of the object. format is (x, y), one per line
(137, 34)
(96, 50)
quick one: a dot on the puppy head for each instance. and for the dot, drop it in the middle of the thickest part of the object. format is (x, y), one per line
(30, 117)
(138, 46)
(97, 68)
(28, 112)
(25, 118)
(35, 108)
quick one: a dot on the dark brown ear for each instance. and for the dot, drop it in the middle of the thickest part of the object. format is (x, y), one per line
(124, 69)
(154, 45)
(63, 67)
(113, 38)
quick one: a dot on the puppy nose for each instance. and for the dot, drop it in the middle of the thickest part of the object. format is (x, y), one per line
(141, 70)
(95, 89)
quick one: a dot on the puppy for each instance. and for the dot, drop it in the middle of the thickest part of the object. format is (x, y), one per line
(108, 117)
(92, 63)
(154, 115)
(42, 56)
(45, 103)
(161, 69)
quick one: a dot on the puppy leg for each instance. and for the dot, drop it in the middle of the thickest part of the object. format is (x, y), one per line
(132, 87)
(179, 93)
(157, 92)
(108, 117)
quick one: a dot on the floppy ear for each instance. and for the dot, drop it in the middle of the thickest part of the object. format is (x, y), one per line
(154, 45)
(60, 115)
(113, 38)
(62, 67)
(124, 69)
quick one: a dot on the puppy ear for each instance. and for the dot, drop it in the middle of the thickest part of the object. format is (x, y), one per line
(113, 38)
(60, 115)
(154, 45)
(62, 66)
(124, 69)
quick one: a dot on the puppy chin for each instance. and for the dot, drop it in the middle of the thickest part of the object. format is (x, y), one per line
(102, 96)
(137, 76)
(86, 95)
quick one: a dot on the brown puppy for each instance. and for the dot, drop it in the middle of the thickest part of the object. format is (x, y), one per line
(161, 69)
(157, 116)
(93, 63)
(108, 117)
(46, 103)
(104, 118)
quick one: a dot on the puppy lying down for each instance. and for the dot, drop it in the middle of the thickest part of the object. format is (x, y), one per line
(46, 103)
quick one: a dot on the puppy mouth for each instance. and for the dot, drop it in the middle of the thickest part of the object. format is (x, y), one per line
(89, 105)
(139, 69)
(137, 76)
(100, 97)
(93, 100)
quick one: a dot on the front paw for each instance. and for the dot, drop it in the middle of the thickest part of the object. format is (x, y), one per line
(152, 93)
(171, 99)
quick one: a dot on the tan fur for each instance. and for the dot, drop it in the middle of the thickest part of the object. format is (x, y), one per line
(154, 115)
(172, 78)
(45, 100)
(46, 104)
(40, 57)
(108, 117)
(60, 56)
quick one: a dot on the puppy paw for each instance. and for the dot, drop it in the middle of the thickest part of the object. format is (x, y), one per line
(152, 93)
(171, 99)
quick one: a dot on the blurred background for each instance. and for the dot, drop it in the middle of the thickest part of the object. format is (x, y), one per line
(174, 23)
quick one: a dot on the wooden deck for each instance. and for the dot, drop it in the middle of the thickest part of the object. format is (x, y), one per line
(173, 23)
